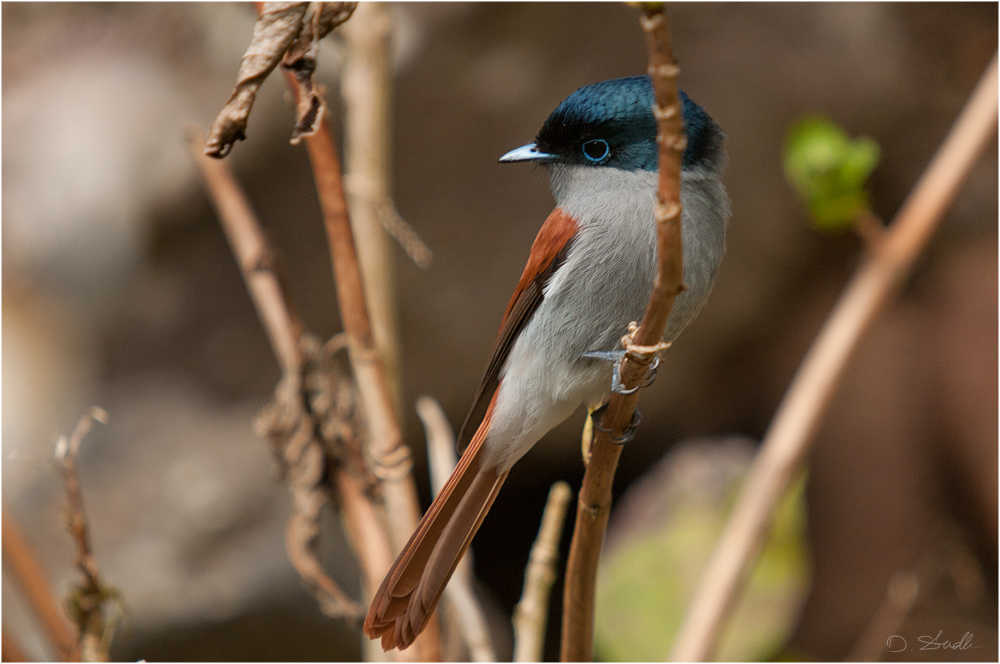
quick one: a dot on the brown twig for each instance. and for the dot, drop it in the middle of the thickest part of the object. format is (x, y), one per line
(642, 344)
(900, 596)
(389, 455)
(25, 569)
(366, 86)
(469, 618)
(532, 612)
(294, 423)
(787, 442)
(85, 602)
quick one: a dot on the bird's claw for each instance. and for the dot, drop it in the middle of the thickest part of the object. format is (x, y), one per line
(615, 358)
(627, 435)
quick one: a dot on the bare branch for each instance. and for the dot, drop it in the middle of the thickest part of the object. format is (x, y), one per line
(310, 425)
(22, 562)
(85, 601)
(787, 442)
(389, 455)
(366, 87)
(642, 344)
(531, 613)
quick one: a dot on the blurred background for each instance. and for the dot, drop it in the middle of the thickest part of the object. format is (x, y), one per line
(119, 290)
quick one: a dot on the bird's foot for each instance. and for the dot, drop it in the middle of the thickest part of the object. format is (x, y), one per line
(615, 358)
(625, 436)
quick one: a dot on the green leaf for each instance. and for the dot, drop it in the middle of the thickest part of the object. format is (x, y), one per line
(646, 582)
(829, 170)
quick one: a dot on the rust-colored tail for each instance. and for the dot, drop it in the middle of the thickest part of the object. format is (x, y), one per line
(414, 584)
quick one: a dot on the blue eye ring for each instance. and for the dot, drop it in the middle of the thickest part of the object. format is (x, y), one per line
(596, 151)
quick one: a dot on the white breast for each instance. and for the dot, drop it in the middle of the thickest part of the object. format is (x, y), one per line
(603, 284)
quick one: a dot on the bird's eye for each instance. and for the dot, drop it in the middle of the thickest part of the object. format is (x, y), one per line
(596, 150)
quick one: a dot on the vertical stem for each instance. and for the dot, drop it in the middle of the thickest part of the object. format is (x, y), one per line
(594, 505)
(367, 91)
(389, 454)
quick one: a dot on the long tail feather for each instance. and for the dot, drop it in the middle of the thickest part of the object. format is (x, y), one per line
(412, 588)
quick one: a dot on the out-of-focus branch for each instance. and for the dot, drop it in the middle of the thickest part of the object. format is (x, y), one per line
(23, 564)
(390, 456)
(787, 441)
(86, 601)
(469, 618)
(10, 650)
(291, 423)
(531, 613)
(642, 345)
(366, 84)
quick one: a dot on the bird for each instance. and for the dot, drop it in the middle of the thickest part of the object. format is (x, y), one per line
(590, 272)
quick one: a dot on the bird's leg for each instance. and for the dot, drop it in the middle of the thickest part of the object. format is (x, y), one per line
(615, 357)
(626, 436)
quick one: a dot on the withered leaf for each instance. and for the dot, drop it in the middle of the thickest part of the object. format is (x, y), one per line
(276, 28)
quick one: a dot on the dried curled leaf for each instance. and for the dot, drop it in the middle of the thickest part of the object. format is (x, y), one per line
(283, 33)
(300, 61)
(311, 425)
(278, 25)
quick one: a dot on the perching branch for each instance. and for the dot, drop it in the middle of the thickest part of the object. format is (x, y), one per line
(532, 612)
(641, 344)
(85, 602)
(469, 618)
(787, 441)
(20, 560)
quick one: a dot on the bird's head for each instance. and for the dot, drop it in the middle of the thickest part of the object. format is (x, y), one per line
(611, 124)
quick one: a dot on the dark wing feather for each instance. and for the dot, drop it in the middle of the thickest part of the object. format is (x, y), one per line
(548, 253)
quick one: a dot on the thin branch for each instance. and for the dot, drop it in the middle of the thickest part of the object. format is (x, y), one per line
(366, 85)
(389, 455)
(86, 601)
(532, 612)
(23, 564)
(469, 618)
(787, 442)
(642, 344)
(294, 423)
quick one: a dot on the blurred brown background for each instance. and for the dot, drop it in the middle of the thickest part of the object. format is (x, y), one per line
(119, 290)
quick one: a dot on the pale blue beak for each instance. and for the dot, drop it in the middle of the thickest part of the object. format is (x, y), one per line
(529, 152)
